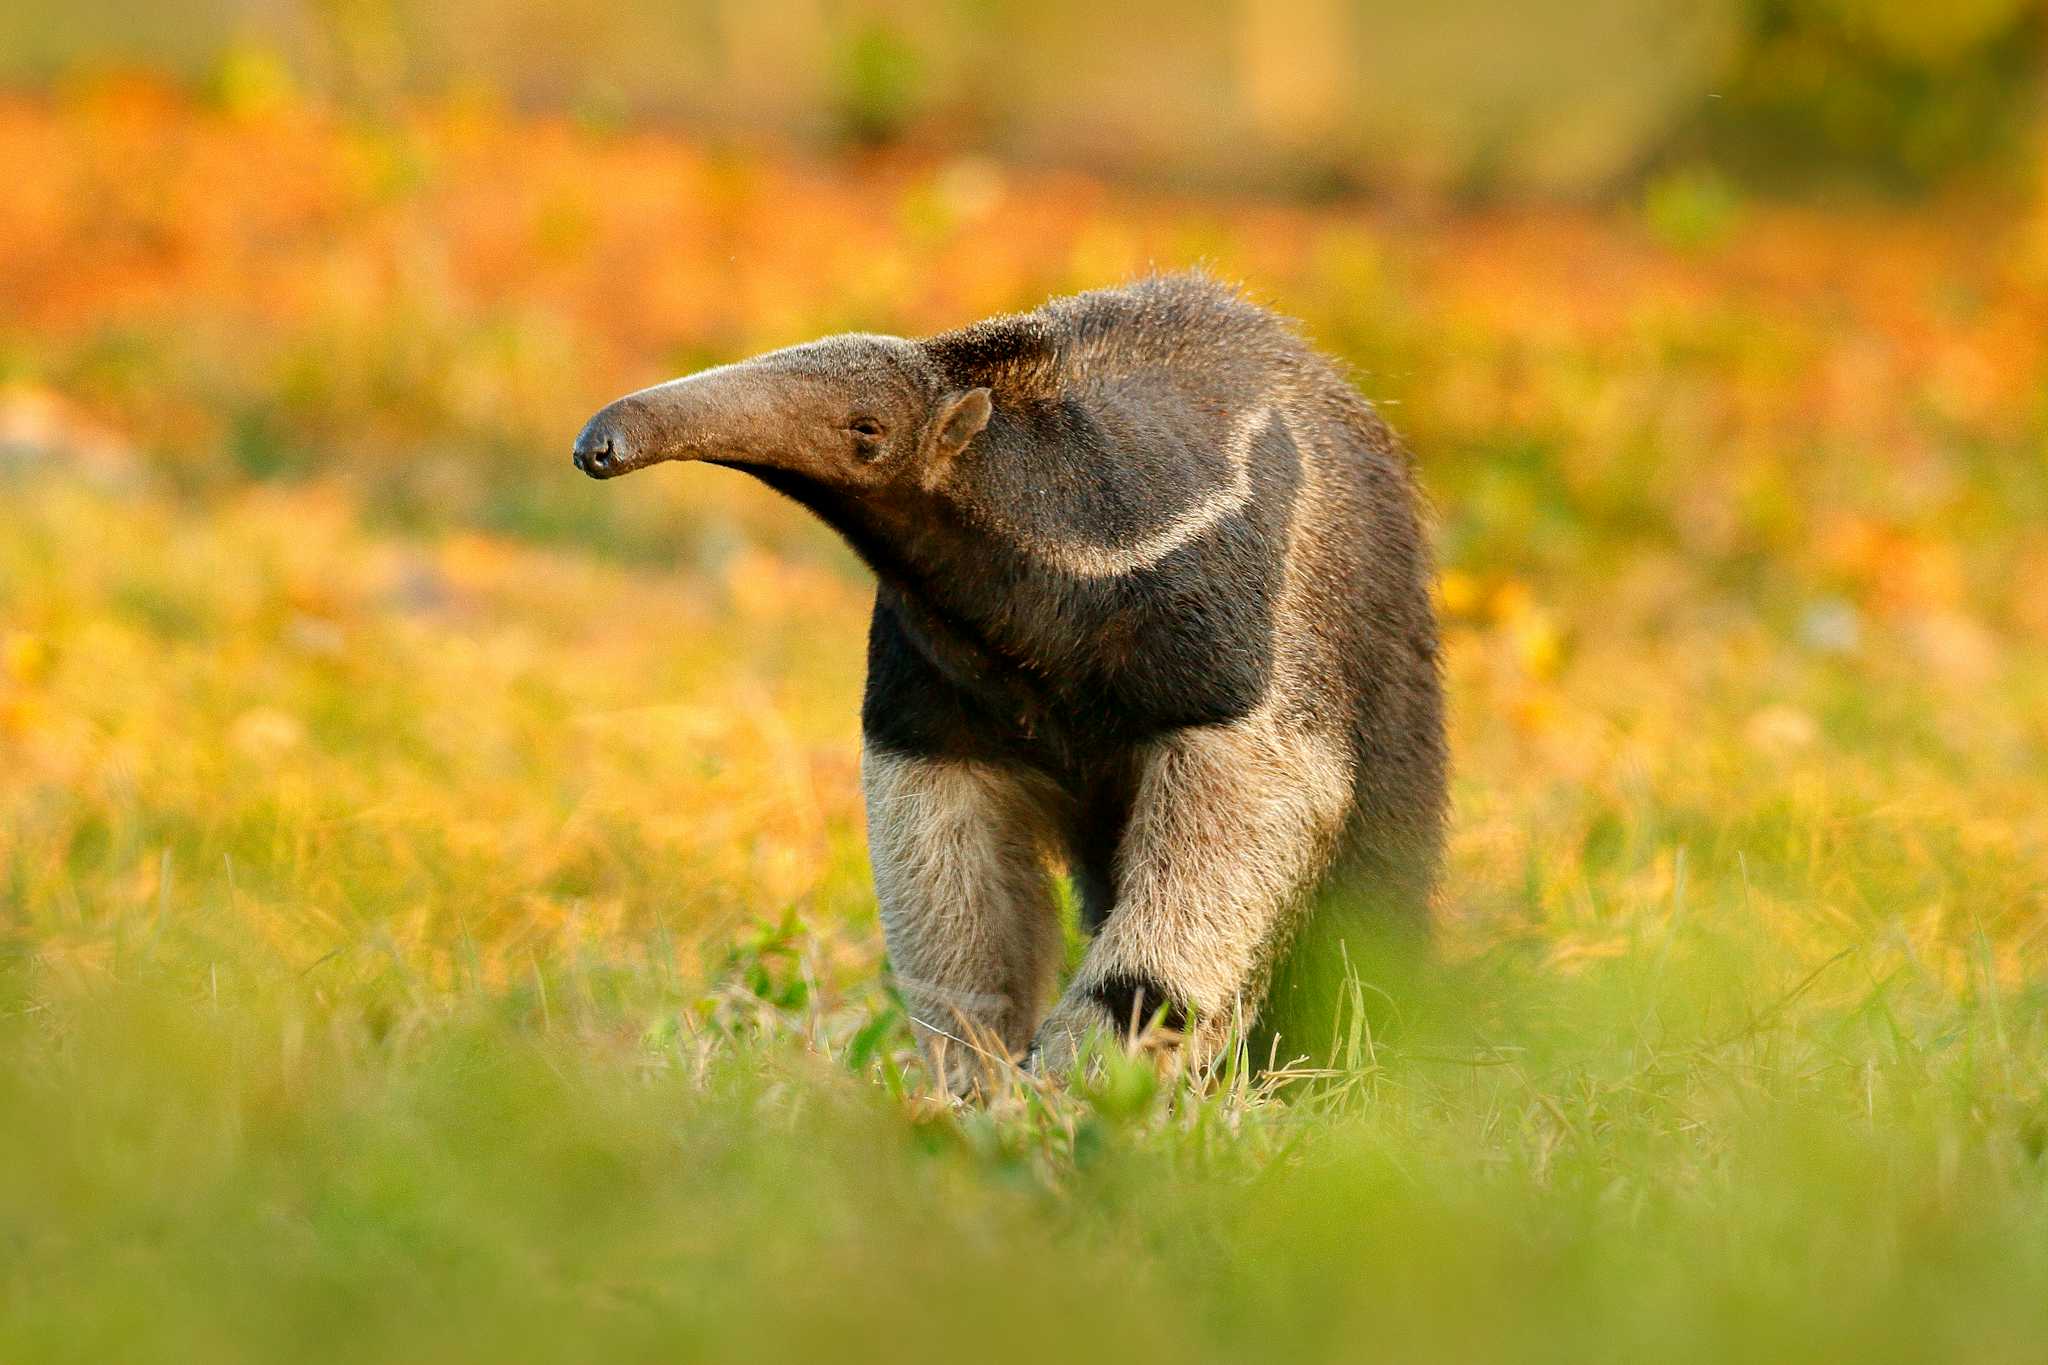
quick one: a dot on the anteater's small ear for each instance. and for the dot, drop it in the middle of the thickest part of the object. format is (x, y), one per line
(961, 418)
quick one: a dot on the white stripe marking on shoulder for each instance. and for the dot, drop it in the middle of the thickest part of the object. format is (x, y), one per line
(1108, 561)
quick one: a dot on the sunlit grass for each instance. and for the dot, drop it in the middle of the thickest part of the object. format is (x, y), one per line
(444, 946)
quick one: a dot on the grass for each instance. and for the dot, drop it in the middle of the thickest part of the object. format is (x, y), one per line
(434, 916)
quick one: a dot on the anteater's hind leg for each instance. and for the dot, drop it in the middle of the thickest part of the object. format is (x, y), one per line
(1229, 829)
(959, 854)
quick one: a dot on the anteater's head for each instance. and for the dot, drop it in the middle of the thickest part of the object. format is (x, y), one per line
(850, 414)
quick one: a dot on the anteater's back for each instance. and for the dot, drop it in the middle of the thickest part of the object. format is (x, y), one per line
(1169, 362)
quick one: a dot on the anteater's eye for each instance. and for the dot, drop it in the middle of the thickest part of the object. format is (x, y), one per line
(866, 426)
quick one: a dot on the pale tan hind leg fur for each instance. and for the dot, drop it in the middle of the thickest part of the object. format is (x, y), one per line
(1229, 830)
(960, 863)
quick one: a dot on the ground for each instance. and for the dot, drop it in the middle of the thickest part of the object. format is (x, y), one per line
(434, 918)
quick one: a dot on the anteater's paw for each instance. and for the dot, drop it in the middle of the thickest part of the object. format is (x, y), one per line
(972, 1063)
(1075, 1030)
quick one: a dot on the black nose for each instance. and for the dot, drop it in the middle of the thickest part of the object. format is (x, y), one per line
(600, 452)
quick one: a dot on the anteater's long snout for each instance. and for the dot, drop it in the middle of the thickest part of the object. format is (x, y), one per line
(667, 422)
(734, 411)
(597, 448)
(618, 439)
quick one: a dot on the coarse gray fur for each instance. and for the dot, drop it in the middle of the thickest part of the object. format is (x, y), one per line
(1152, 608)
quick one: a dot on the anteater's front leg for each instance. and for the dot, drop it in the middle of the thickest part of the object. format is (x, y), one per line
(959, 854)
(1230, 829)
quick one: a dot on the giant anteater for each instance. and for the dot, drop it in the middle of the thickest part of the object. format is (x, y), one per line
(1152, 604)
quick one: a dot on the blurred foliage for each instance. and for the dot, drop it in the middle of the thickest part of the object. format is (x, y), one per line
(1691, 208)
(1463, 97)
(877, 87)
(1896, 91)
